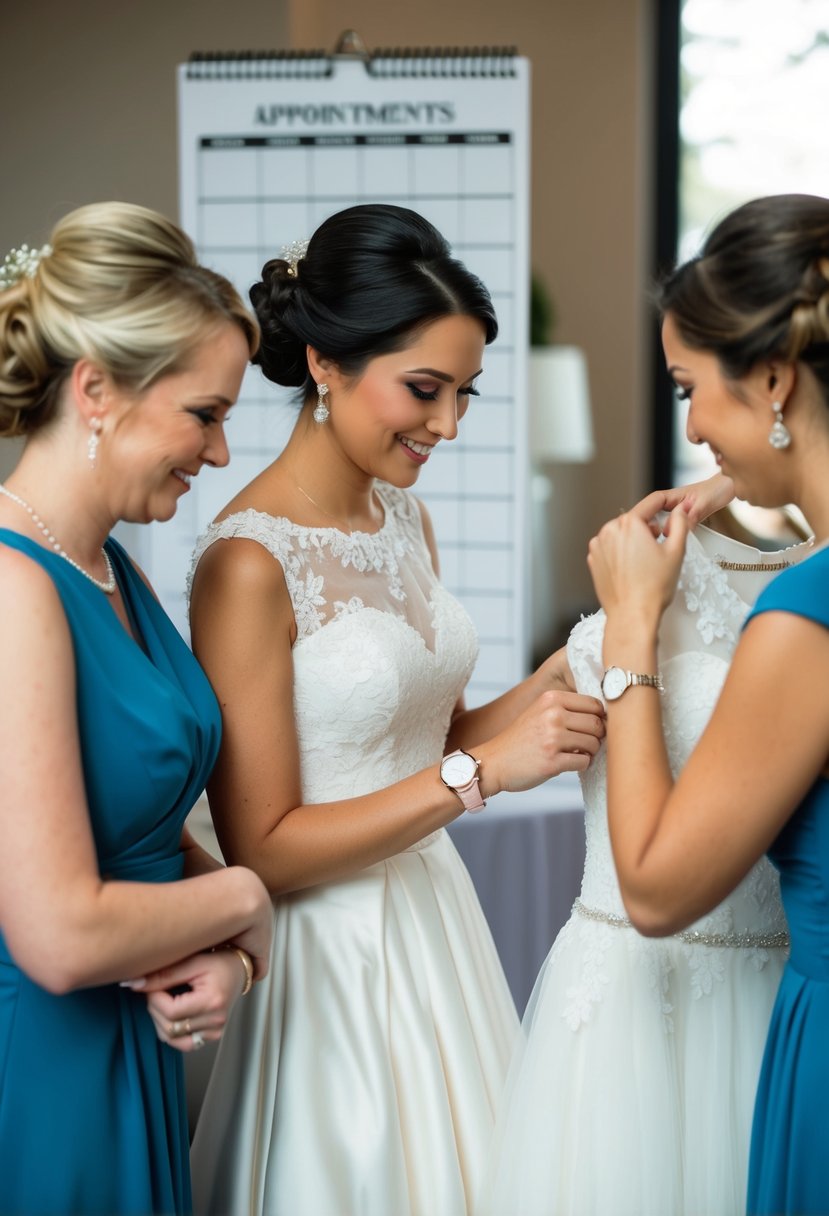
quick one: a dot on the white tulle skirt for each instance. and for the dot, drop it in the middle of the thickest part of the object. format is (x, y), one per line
(362, 1076)
(632, 1090)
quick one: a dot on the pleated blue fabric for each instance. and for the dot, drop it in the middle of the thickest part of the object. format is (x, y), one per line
(92, 1111)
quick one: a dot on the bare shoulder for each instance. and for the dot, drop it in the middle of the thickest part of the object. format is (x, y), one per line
(33, 625)
(25, 586)
(237, 565)
(239, 592)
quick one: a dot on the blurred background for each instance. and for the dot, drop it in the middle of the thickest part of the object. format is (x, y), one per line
(649, 119)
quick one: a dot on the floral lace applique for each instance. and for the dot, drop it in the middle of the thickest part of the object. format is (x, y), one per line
(346, 607)
(720, 611)
(657, 960)
(307, 598)
(706, 967)
(594, 941)
(307, 555)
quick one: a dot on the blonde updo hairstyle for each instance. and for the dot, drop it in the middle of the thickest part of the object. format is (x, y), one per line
(120, 286)
(759, 290)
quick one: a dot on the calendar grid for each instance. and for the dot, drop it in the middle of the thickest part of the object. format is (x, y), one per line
(246, 193)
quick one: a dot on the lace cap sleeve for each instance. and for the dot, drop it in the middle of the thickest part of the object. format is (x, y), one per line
(247, 525)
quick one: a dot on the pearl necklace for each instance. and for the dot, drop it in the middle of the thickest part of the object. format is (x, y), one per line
(107, 585)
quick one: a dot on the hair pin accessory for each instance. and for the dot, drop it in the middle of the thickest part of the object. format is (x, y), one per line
(293, 255)
(20, 262)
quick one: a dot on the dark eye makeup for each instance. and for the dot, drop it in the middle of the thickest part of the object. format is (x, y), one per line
(432, 395)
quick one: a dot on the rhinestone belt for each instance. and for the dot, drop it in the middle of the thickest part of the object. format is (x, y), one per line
(731, 941)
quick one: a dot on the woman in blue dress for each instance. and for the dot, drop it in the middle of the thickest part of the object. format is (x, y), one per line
(119, 358)
(746, 337)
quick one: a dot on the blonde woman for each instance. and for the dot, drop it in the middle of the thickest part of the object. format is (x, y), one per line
(119, 358)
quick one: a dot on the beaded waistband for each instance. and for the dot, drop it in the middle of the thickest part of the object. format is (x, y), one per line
(694, 937)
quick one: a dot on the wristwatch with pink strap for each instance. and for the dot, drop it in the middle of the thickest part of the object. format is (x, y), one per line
(459, 773)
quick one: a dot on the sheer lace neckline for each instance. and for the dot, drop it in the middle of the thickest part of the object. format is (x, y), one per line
(368, 544)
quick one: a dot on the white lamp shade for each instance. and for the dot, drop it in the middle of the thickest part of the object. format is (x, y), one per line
(561, 428)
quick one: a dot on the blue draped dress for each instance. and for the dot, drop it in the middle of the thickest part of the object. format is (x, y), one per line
(92, 1110)
(789, 1166)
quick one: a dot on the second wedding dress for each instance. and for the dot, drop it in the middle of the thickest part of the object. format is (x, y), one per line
(633, 1088)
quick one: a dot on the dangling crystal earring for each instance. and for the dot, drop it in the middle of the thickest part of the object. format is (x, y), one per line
(321, 411)
(94, 439)
(779, 435)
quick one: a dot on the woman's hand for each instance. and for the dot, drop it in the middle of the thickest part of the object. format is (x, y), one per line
(633, 572)
(698, 500)
(188, 1019)
(559, 732)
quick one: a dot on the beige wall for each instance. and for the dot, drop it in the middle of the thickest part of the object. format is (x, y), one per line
(92, 89)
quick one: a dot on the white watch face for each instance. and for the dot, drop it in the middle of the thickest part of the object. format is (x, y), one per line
(458, 771)
(614, 683)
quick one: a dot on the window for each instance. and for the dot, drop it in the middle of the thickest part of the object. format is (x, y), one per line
(749, 90)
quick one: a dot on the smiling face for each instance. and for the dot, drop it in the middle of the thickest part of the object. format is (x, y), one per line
(388, 420)
(159, 440)
(734, 419)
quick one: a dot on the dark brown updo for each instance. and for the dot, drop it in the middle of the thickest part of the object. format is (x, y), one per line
(372, 275)
(759, 289)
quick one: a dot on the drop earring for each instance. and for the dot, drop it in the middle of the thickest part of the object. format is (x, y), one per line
(321, 410)
(779, 435)
(94, 439)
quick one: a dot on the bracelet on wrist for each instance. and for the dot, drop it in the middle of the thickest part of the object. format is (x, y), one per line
(244, 959)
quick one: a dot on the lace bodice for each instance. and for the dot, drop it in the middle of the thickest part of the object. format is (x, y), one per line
(697, 638)
(382, 651)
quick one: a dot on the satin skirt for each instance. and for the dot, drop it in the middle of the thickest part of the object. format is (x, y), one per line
(362, 1076)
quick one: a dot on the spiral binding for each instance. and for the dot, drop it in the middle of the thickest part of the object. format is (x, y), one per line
(455, 62)
(389, 62)
(259, 65)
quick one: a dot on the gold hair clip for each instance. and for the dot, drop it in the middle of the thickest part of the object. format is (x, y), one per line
(293, 255)
(20, 262)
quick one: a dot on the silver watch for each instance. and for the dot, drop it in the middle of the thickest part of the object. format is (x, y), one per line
(616, 680)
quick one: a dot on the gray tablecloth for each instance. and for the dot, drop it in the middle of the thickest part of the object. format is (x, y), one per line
(525, 855)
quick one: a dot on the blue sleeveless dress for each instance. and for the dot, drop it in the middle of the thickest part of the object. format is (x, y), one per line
(789, 1165)
(92, 1110)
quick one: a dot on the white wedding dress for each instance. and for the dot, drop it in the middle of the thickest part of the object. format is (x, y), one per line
(632, 1090)
(362, 1076)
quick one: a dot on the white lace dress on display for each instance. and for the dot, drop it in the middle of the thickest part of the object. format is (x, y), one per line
(363, 1074)
(632, 1091)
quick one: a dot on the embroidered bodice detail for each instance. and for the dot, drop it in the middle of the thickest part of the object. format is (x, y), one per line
(382, 652)
(698, 635)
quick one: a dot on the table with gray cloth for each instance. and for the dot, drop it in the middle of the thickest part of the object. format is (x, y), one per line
(525, 855)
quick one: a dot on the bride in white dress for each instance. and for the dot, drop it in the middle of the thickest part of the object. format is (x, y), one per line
(632, 1093)
(363, 1075)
